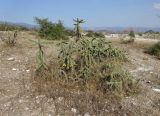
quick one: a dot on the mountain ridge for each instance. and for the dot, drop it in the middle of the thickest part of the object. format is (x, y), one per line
(104, 29)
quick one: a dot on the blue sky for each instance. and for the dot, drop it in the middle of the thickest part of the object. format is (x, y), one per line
(97, 13)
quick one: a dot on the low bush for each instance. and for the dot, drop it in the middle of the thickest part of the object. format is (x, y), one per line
(129, 40)
(51, 31)
(9, 38)
(154, 50)
(95, 34)
(70, 32)
(132, 34)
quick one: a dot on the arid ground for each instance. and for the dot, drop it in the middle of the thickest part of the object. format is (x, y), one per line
(17, 64)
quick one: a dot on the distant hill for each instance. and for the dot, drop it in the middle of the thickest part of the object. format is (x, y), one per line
(121, 29)
(21, 24)
(27, 25)
(100, 29)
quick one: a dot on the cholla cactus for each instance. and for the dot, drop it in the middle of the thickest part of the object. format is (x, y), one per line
(78, 29)
(41, 61)
(66, 58)
(87, 53)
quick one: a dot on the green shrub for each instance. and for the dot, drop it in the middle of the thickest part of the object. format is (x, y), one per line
(140, 34)
(70, 32)
(95, 34)
(132, 37)
(132, 34)
(118, 80)
(155, 50)
(129, 40)
(51, 31)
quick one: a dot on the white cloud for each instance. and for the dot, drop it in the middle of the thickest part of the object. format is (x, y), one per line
(156, 5)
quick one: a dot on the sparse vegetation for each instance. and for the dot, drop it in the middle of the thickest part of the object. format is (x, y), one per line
(93, 64)
(83, 76)
(132, 37)
(154, 50)
(9, 38)
(95, 34)
(129, 40)
(140, 34)
(70, 32)
(132, 34)
(152, 34)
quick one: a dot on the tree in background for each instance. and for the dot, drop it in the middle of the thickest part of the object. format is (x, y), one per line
(132, 36)
(51, 31)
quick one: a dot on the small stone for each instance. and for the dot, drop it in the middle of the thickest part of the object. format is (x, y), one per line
(124, 114)
(74, 110)
(27, 71)
(11, 59)
(26, 108)
(14, 69)
(37, 101)
(151, 72)
(148, 82)
(20, 101)
(87, 114)
(106, 110)
(156, 90)
(60, 99)
(7, 104)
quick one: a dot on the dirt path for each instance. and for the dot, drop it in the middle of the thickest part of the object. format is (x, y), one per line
(147, 69)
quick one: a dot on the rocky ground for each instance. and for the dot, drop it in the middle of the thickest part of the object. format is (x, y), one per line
(16, 67)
